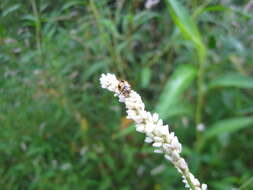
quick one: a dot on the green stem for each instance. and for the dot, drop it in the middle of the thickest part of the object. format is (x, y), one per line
(200, 86)
(188, 179)
(38, 31)
(247, 183)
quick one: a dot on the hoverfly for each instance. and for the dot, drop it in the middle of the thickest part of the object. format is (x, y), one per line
(124, 88)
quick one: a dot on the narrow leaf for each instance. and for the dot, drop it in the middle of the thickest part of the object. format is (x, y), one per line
(180, 109)
(70, 4)
(144, 17)
(174, 89)
(10, 10)
(93, 69)
(110, 26)
(145, 76)
(228, 126)
(124, 132)
(184, 21)
(232, 80)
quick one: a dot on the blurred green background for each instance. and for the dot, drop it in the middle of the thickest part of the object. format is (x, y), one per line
(191, 61)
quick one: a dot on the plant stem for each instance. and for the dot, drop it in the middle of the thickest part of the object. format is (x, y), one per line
(200, 86)
(248, 182)
(38, 31)
(188, 179)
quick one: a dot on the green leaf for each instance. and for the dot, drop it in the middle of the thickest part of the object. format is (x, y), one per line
(71, 4)
(174, 89)
(228, 126)
(124, 132)
(200, 11)
(29, 18)
(184, 21)
(93, 69)
(145, 76)
(110, 27)
(180, 109)
(225, 126)
(143, 17)
(10, 10)
(232, 80)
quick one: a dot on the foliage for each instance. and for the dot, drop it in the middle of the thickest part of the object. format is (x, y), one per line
(190, 60)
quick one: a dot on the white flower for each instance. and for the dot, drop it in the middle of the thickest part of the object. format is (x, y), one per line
(141, 128)
(109, 81)
(156, 133)
(201, 127)
(204, 186)
(148, 140)
(122, 98)
(182, 164)
(158, 139)
(164, 130)
(150, 3)
(167, 157)
(157, 144)
(149, 127)
(155, 117)
(159, 151)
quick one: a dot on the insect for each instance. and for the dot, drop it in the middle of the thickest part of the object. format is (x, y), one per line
(124, 87)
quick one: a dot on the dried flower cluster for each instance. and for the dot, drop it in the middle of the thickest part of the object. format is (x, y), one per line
(157, 133)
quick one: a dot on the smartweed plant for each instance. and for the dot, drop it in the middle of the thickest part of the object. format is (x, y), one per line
(158, 134)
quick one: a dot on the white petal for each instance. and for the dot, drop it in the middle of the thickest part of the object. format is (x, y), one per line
(164, 130)
(167, 157)
(157, 144)
(204, 186)
(149, 128)
(170, 137)
(140, 128)
(158, 139)
(149, 117)
(175, 156)
(158, 151)
(160, 122)
(167, 147)
(182, 164)
(155, 117)
(148, 140)
(122, 98)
